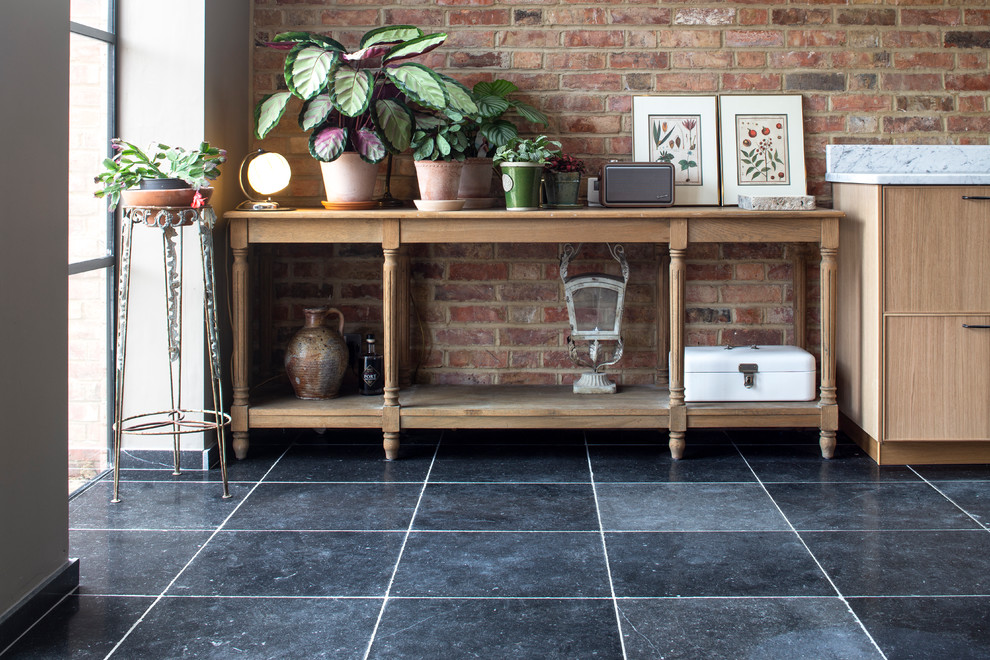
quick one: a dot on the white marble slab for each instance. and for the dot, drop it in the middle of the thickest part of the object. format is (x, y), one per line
(913, 164)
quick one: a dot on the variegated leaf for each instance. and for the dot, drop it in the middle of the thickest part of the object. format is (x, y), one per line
(394, 121)
(369, 145)
(268, 112)
(414, 47)
(419, 83)
(351, 90)
(307, 70)
(315, 111)
(326, 144)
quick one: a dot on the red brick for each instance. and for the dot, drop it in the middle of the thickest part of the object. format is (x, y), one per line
(530, 291)
(576, 16)
(469, 39)
(800, 16)
(921, 82)
(464, 337)
(705, 16)
(815, 38)
(590, 124)
(971, 60)
(930, 17)
(709, 59)
(867, 17)
(586, 81)
(696, 271)
(752, 38)
(797, 59)
(529, 337)
(911, 124)
(860, 102)
(750, 59)
(419, 17)
(521, 60)
(479, 17)
(967, 82)
(478, 60)
(751, 272)
(749, 16)
(478, 359)
(571, 61)
(689, 38)
(740, 337)
(698, 293)
(576, 102)
(464, 292)
(478, 271)
(923, 60)
(593, 38)
(910, 39)
(750, 81)
(529, 38)
(638, 61)
(747, 315)
(639, 16)
(687, 82)
(972, 104)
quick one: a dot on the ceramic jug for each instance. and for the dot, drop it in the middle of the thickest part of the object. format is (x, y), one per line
(316, 357)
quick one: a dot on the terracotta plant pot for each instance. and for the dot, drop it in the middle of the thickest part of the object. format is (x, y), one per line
(438, 179)
(178, 198)
(476, 179)
(521, 183)
(349, 179)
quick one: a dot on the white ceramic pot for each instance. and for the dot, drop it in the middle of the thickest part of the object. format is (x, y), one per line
(349, 179)
(438, 179)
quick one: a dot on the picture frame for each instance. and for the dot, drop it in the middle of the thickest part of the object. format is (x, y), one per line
(762, 146)
(682, 130)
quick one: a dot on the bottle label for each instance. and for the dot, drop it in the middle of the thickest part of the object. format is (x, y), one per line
(370, 376)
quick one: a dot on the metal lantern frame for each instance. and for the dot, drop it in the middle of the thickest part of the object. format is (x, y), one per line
(594, 382)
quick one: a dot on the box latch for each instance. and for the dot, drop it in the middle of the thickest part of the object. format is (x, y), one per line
(748, 370)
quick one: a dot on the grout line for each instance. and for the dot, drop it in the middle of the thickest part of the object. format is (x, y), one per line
(608, 564)
(402, 550)
(814, 558)
(193, 558)
(952, 501)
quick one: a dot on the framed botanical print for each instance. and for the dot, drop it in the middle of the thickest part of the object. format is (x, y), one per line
(762, 146)
(683, 131)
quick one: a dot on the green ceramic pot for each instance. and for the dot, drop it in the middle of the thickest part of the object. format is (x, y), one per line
(562, 188)
(521, 183)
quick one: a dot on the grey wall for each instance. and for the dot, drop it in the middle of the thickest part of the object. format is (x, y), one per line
(34, 74)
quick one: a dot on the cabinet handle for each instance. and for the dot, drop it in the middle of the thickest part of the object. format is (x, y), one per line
(980, 197)
(976, 327)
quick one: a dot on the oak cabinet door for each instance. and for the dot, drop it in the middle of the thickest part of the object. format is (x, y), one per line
(935, 249)
(936, 378)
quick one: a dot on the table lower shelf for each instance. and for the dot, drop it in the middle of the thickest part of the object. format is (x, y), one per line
(525, 406)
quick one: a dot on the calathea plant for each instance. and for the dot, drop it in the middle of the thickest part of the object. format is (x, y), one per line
(362, 100)
(488, 129)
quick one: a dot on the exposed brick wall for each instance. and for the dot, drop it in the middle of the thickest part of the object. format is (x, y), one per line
(914, 71)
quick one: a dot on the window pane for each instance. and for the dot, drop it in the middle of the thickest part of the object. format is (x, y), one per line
(94, 13)
(89, 77)
(88, 376)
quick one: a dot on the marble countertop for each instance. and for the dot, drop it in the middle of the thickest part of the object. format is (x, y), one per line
(908, 164)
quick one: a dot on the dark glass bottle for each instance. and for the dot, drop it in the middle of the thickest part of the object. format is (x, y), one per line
(372, 369)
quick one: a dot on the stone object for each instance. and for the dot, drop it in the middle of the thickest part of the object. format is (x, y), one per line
(777, 202)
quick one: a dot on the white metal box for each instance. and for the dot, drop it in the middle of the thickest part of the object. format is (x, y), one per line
(748, 373)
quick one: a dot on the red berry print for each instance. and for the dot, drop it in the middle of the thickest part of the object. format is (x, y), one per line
(766, 130)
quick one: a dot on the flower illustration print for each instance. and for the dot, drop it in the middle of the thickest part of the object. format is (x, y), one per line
(762, 150)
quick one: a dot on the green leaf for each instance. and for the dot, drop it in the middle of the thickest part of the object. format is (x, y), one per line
(327, 143)
(315, 111)
(366, 53)
(500, 132)
(414, 47)
(390, 34)
(498, 87)
(309, 37)
(458, 96)
(268, 112)
(419, 83)
(491, 106)
(424, 150)
(351, 92)
(529, 113)
(443, 146)
(369, 145)
(307, 70)
(394, 121)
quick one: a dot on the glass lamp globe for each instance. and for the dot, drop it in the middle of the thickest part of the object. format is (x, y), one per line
(269, 173)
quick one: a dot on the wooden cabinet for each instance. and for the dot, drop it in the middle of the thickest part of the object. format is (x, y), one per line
(506, 407)
(913, 363)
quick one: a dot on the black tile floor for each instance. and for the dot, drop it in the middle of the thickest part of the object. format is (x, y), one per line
(488, 544)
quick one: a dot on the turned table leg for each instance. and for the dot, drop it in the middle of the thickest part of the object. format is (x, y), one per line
(390, 315)
(239, 302)
(678, 413)
(828, 403)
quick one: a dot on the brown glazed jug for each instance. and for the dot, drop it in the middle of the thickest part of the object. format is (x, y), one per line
(316, 357)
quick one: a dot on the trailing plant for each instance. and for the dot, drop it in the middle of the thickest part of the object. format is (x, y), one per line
(530, 150)
(360, 100)
(487, 129)
(130, 165)
(438, 138)
(564, 163)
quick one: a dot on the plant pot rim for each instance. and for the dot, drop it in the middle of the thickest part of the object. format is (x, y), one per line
(166, 183)
(521, 164)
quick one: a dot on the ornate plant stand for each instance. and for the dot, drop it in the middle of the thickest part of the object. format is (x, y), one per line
(177, 420)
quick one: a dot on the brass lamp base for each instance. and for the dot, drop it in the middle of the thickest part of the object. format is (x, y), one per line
(592, 382)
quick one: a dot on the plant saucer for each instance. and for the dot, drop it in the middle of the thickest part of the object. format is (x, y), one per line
(439, 204)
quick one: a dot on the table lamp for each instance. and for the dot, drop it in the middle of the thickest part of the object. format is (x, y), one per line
(267, 173)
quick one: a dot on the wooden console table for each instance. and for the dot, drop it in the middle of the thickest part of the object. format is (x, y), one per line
(514, 406)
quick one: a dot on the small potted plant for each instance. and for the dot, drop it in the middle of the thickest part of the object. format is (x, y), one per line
(169, 176)
(521, 162)
(562, 178)
(357, 104)
(488, 130)
(440, 147)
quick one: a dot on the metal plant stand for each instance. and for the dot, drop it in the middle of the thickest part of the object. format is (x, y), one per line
(177, 420)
